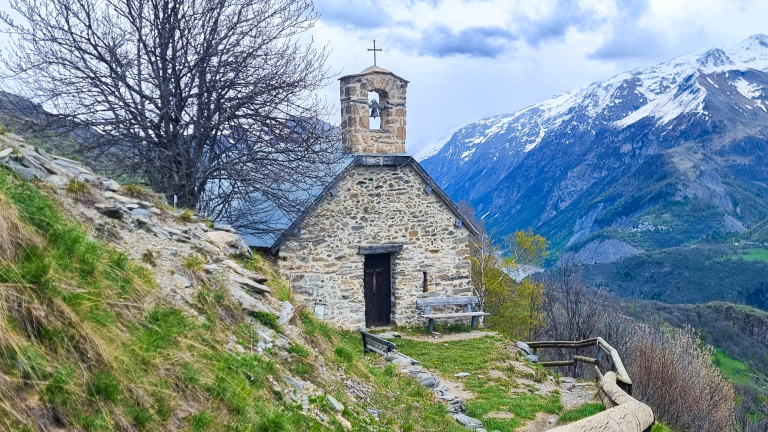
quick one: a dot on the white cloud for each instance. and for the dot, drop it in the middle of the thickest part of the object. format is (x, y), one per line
(467, 59)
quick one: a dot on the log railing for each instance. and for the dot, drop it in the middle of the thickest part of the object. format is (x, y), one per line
(623, 412)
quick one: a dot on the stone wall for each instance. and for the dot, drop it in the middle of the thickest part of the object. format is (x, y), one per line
(357, 137)
(377, 205)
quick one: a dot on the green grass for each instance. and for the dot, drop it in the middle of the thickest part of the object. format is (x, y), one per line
(298, 350)
(581, 412)
(661, 427)
(268, 319)
(478, 357)
(736, 370)
(751, 254)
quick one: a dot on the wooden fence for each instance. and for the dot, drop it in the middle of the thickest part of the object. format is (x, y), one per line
(623, 412)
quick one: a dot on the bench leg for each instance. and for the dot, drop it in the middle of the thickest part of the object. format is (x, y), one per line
(474, 322)
(431, 326)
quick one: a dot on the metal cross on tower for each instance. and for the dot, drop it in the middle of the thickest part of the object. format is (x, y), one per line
(374, 51)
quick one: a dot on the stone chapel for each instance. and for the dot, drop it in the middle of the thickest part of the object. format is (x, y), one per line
(382, 233)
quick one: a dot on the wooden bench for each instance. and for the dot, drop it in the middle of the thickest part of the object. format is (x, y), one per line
(429, 302)
(373, 343)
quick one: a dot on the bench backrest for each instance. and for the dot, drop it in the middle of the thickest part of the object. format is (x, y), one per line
(373, 343)
(446, 301)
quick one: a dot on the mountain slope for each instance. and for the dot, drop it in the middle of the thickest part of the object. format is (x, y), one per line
(657, 157)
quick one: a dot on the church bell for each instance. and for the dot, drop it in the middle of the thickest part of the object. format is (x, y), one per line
(375, 108)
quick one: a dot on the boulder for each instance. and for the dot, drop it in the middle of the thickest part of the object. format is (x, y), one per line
(110, 211)
(524, 346)
(286, 314)
(229, 243)
(246, 300)
(251, 285)
(24, 172)
(336, 405)
(111, 185)
(5, 152)
(141, 213)
(468, 422)
(57, 180)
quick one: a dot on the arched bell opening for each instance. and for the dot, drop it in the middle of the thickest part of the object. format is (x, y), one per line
(375, 111)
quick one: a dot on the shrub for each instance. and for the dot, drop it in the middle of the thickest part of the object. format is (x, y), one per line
(669, 367)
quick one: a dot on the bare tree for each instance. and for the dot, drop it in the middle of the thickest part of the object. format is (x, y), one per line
(209, 101)
(573, 310)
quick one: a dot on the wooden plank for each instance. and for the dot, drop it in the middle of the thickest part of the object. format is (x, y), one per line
(379, 249)
(455, 315)
(563, 344)
(585, 359)
(446, 301)
(558, 363)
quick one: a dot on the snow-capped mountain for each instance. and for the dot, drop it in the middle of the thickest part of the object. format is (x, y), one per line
(557, 166)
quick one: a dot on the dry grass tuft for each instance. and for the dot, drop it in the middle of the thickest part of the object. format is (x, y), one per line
(14, 234)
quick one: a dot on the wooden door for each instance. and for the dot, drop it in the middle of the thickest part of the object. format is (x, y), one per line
(378, 290)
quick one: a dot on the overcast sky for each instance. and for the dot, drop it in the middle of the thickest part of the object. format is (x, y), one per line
(469, 59)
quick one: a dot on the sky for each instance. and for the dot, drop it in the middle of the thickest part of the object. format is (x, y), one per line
(470, 59)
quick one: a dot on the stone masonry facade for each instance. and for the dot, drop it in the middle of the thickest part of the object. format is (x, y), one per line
(356, 135)
(373, 205)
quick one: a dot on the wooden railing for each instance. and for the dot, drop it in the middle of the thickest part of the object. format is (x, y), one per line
(623, 412)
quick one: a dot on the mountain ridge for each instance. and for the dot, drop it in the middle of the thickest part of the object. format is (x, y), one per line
(627, 159)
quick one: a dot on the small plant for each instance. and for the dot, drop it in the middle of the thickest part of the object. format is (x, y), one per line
(190, 375)
(201, 421)
(140, 416)
(77, 188)
(136, 191)
(105, 386)
(302, 369)
(277, 422)
(268, 319)
(345, 354)
(193, 262)
(149, 257)
(186, 216)
(298, 350)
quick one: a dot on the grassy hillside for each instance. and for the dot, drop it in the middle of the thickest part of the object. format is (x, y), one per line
(87, 343)
(688, 275)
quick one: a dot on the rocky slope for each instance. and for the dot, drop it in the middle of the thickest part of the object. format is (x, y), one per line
(653, 158)
(119, 313)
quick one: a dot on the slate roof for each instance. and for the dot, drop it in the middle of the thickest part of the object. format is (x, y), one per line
(374, 160)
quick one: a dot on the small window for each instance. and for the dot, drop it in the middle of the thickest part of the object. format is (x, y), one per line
(375, 123)
(425, 283)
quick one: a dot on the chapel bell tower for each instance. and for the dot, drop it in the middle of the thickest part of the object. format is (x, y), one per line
(372, 96)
